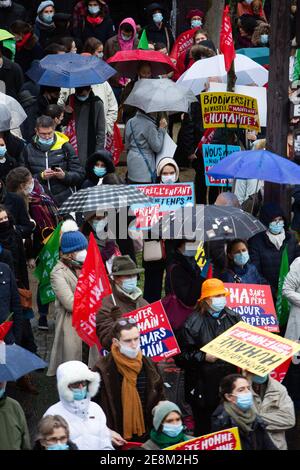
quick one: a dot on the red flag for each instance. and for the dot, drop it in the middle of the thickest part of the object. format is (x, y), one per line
(4, 329)
(182, 43)
(207, 138)
(93, 284)
(114, 144)
(226, 39)
(280, 372)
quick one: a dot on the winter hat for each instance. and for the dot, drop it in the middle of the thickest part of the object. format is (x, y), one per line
(269, 212)
(71, 239)
(75, 371)
(167, 161)
(162, 410)
(43, 5)
(193, 13)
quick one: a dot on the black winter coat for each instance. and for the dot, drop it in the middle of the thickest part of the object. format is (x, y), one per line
(10, 302)
(103, 31)
(11, 74)
(202, 379)
(11, 240)
(15, 204)
(11, 14)
(14, 145)
(257, 439)
(163, 35)
(267, 258)
(6, 257)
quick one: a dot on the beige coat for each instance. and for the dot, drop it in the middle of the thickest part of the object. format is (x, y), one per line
(67, 345)
(277, 411)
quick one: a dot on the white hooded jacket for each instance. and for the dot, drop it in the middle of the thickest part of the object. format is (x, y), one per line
(86, 420)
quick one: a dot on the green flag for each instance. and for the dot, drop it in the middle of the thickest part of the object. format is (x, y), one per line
(296, 73)
(282, 305)
(143, 42)
(48, 258)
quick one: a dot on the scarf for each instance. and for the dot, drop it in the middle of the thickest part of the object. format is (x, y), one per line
(133, 418)
(133, 296)
(244, 419)
(94, 20)
(20, 44)
(163, 441)
(276, 240)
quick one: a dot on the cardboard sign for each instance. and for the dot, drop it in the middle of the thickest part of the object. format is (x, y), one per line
(166, 198)
(213, 154)
(230, 108)
(252, 348)
(157, 337)
(254, 303)
(228, 439)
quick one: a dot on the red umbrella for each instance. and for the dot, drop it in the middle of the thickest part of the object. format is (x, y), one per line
(128, 62)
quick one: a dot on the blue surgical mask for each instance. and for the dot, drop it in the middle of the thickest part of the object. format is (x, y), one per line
(276, 227)
(46, 142)
(157, 17)
(190, 253)
(259, 380)
(129, 285)
(99, 226)
(3, 150)
(264, 38)
(196, 23)
(131, 353)
(47, 17)
(172, 430)
(241, 258)
(82, 98)
(244, 401)
(93, 10)
(100, 171)
(58, 447)
(168, 179)
(218, 304)
(79, 393)
(2, 391)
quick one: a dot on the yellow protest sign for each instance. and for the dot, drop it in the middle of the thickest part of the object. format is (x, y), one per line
(233, 109)
(252, 348)
(200, 256)
(227, 439)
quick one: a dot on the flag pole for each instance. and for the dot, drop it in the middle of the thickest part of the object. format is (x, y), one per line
(113, 299)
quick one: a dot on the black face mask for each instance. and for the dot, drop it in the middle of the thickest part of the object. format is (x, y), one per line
(4, 226)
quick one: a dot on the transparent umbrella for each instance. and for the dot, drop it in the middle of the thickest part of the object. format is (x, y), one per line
(11, 113)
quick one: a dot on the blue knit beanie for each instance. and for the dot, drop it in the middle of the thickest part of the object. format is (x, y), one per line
(71, 239)
(161, 411)
(45, 4)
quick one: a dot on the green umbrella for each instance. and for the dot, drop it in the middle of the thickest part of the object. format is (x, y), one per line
(9, 42)
(5, 35)
(261, 55)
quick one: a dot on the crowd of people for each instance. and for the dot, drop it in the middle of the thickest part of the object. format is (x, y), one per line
(120, 400)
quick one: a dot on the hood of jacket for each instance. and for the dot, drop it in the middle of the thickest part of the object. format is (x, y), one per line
(269, 212)
(103, 156)
(131, 22)
(75, 371)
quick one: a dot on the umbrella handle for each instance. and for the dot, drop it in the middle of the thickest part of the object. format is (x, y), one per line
(255, 197)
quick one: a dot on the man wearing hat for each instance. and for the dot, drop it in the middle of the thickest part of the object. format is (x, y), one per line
(203, 372)
(126, 297)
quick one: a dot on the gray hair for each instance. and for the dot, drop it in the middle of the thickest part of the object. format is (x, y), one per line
(227, 199)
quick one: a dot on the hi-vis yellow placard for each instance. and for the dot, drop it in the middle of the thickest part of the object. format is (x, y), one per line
(234, 110)
(252, 348)
(227, 439)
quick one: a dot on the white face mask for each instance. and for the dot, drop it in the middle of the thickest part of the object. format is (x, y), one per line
(80, 256)
(168, 179)
(99, 226)
(29, 189)
(129, 352)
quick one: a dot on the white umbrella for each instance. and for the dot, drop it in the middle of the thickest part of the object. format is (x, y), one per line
(247, 71)
(156, 95)
(11, 113)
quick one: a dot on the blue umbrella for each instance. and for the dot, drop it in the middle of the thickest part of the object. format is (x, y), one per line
(260, 55)
(18, 362)
(70, 70)
(257, 164)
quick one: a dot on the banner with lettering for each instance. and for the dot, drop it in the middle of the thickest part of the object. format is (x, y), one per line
(213, 154)
(228, 439)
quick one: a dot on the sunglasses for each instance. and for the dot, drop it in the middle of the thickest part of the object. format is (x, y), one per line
(130, 321)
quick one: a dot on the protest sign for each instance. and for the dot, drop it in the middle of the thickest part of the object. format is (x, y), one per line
(251, 348)
(228, 439)
(231, 108)
(157, 338)
(166, 198)
(254, 303)
(213, 154)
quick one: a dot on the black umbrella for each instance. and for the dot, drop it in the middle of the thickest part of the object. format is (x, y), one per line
(207, 223)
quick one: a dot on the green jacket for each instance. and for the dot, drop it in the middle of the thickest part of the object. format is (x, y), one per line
(14, 433)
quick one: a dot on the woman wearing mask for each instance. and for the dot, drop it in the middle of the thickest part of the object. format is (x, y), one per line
(44, 28)
(158, 29)
(246, 26)
(239, 267)
(203, 371)
(53, 434)
(168, 428)
(261, 35)
(98, 165)
(7, 162)
(237, 410)
(96, 23)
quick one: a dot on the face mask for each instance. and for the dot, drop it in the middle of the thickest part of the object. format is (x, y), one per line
(168, 179)
(99, 171)
(218, 304)
(58, 447)
(3, 150)
(79, 393)
(100, 55)
(129, 285)
(241, 258)
(244, 401)
(82, 98)
(2, 391)
(248, 2)
(125, 38)
(5, 3)
(129, 352)
(47, 17)
(4, 226)
(93, 10)
(259, 380)
(190, 253)
(172, 430)
(46, 142)
(29, 189)
(264, 38)
(276, 228)
(80, 256)
(157, 17)
(196, 23)
(99, 225)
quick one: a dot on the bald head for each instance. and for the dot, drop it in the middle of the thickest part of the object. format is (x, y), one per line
(227, 199)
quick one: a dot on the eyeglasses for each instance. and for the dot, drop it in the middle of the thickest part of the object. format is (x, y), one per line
(56, 440)
(84, 383)
(130, 321)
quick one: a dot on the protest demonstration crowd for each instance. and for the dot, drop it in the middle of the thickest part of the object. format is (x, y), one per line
(149, 225)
